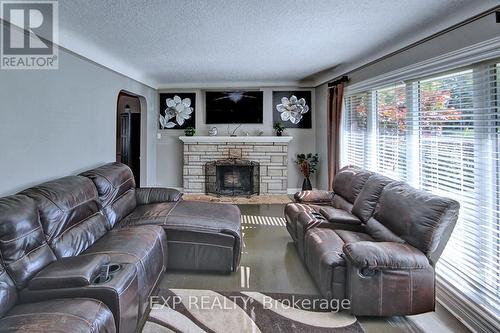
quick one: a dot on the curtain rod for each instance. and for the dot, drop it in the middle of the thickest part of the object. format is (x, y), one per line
(343, 78)
(495, 10)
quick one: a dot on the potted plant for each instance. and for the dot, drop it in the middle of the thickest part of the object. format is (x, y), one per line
(189, 131)
(279, 128)
(308, 164)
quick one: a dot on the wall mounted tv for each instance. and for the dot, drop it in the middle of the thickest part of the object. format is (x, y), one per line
(234, 107)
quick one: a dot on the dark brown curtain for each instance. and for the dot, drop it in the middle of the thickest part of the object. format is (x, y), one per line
(335, 96)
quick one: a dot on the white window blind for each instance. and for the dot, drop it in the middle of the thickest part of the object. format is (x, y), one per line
(390, 125)
(459, 129)
(356, 128)
(442, 134)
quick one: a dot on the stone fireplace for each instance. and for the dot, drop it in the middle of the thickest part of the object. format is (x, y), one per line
(268, 154)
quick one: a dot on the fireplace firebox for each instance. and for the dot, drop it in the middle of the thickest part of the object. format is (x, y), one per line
(232, 177)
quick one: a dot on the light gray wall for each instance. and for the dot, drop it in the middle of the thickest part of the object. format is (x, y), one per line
(169, 147)
(321, 136)
(55, 123)
(475, 32)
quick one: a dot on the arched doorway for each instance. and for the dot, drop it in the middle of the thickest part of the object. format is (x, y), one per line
(128, 133)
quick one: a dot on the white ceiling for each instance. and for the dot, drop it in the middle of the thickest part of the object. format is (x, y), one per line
(201, 43)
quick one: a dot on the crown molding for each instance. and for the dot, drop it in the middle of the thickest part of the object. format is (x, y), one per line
(236, 84)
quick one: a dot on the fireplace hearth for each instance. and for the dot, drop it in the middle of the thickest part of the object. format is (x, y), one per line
(232, 177)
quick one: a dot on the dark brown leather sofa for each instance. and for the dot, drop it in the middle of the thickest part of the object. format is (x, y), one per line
(200, 236)
(57, 236)
(373, 240)
(24, 254)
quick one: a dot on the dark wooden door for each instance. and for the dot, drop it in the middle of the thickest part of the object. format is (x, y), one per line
(130, 139)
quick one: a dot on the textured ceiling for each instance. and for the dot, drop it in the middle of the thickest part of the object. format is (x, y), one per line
(244, 42)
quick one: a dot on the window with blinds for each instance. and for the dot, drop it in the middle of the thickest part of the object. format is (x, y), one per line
(442, 134)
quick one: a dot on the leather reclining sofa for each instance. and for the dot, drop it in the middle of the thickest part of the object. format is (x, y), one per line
(373, 240)
(56, 238)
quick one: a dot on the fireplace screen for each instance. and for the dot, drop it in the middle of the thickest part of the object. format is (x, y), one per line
(232, 177)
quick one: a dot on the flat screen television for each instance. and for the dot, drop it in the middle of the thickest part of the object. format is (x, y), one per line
(234, 107)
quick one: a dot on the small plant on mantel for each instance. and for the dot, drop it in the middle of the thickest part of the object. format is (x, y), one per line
(189, 131)
(308, 164)
(279, 128)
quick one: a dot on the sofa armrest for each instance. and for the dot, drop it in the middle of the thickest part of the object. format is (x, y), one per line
(385, 255)
(69, 272)
(150, 195)
(317, 197)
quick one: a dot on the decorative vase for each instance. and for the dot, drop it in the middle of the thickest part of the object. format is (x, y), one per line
(278, 133)
(306, 185)
(213, 131)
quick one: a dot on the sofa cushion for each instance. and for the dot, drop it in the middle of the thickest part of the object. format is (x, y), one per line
(24, 249)
(349, 182)
(69, 213)
(143, 246)
(155, 213)
(79, 315)
(420, 218)
(380, 232)
(353, 236)
(150, 195)
(341, 203)
(335, 215)
(365, 202)
(205, 216)
(116, 187)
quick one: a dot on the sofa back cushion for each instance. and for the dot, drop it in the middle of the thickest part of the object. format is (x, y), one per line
(349, 182)
(8, 292)
(367, 199)
(116, 187)
(422, 219)
(70, 214)
(23, 247)
(341, 203)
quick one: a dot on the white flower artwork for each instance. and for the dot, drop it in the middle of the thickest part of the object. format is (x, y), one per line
(291, 109)
(177, 112)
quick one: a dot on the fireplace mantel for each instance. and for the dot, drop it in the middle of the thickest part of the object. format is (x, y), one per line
(255, 139)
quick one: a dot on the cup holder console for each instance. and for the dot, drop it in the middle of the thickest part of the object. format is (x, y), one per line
(113, 268)
(107, 271)
(97, 279)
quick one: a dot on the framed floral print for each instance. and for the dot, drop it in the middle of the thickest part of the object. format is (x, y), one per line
(292, 108)
(177, 110)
